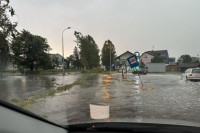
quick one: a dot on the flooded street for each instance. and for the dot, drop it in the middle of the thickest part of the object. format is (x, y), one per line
(22, 87)
(163, 96)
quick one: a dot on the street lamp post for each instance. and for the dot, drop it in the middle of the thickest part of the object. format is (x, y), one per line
(63, 50)
(108, 43)
(110, 58)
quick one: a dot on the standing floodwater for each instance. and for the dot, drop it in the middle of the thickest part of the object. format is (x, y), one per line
(22, 87)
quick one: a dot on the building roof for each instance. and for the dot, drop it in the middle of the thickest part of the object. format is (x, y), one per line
(56, 55)
(189, 65)
(151, 53)
(125, 53)
(162, 52)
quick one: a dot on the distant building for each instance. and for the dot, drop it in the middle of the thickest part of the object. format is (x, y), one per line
(10, 66)
(58, 56)
(123, 58)
(164, 54)
(172, 61)
(183, 66)
(171, 68)
(147, 56)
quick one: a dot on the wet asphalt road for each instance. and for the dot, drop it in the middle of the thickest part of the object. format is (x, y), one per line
(163, 96)
(23, 87)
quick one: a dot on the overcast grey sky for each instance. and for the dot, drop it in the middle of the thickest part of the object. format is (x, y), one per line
(134, 25)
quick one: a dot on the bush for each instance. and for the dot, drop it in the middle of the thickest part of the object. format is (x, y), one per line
(96, 70)
(84, 71)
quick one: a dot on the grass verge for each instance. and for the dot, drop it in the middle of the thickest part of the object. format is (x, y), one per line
(93, 70)
(31, 100)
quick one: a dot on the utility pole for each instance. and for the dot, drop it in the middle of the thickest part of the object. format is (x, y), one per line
(63, 50)
(108, 43)
(110, 58)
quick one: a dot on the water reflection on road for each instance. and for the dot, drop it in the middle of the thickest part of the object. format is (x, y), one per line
(23, 87)
(106, 84)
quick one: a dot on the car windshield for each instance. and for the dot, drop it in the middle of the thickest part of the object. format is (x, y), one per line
(196, 71)
(83, 61)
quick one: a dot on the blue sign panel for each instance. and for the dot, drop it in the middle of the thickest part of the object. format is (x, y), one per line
(133, 61)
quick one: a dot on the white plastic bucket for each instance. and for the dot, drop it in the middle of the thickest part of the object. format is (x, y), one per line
(99, 111)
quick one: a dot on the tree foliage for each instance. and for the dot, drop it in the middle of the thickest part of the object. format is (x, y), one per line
(157, 59)
(7, 30)
(89, 51)
(76, 58)
(185, 59)
(28, 48)
(69, 60)
(105, 54)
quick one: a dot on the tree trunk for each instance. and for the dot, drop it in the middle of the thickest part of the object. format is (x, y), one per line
(31, 67)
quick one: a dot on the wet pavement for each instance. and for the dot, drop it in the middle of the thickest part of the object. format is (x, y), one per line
(163, 96)
(22, 87)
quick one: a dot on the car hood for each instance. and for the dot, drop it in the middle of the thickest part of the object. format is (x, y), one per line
(146, 121)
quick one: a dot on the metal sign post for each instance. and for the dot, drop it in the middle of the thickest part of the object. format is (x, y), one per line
(134, 63)
(124, 70)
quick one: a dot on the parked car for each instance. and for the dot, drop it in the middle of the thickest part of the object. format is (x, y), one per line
(140, 71)
(119, 70)
(192, 74)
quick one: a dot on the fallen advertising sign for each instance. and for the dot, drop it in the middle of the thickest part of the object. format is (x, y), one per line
(133, 61)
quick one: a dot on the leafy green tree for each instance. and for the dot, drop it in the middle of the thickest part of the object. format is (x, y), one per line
(195, 61)
(157, 59)
(28, 48)
(76, 58)
(4, 52)
(7, 31)
(69, 60)
(185, 59)
(45, 62)
(89, 51)
(105, 54)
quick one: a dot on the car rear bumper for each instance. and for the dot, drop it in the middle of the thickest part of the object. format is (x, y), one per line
(194, 78)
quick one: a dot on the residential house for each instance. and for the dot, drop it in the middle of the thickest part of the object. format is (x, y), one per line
(147, 56)
(164, 54)
(123, 58)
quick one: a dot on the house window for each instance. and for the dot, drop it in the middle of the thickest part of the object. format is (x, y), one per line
(145, 56)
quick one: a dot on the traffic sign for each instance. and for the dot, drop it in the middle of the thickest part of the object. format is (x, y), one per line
(133, 61)
(34, 62)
